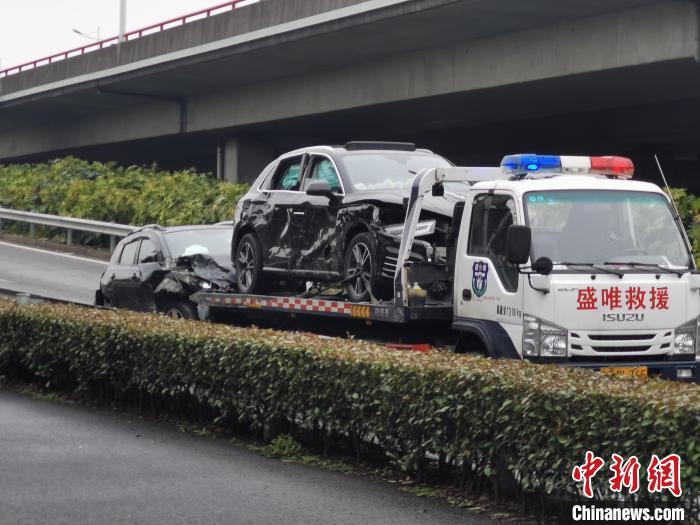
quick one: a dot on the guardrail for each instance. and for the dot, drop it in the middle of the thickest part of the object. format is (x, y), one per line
(68, 223)
(131, 35)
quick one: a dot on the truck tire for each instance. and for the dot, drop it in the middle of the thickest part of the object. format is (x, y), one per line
(248, 262)
(180, 310)
(470, 343)
(360, 273)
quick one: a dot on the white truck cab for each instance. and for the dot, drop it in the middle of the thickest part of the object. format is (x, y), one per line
(605, 276)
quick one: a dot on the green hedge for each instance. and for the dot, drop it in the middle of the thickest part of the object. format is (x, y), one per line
(479, 415)
(689, 211)
(126, 195)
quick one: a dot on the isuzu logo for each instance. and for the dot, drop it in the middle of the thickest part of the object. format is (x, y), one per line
(623, 317)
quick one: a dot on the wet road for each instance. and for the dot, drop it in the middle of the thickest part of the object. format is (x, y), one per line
(49, 274)
(65, 464)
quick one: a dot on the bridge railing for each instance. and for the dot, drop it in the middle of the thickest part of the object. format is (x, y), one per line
(69, 224)
(131, 35)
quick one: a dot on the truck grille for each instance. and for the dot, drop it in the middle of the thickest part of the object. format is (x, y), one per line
(620, 337)
(599, 343)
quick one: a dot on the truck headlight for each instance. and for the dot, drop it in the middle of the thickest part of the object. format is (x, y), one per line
(686, 338)
(422, 228)
(543, 339)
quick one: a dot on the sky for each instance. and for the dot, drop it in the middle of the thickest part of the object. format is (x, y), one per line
(33, 29)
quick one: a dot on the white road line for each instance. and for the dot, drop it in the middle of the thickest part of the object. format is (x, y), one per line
(57, 254)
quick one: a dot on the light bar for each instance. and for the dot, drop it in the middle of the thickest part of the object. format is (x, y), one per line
(525, 164)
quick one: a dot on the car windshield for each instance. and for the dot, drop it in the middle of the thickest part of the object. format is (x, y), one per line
(598, 227)
(383, 170)
(216, 241)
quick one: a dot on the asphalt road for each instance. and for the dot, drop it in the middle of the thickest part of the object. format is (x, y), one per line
(50, 274)
(66, 464)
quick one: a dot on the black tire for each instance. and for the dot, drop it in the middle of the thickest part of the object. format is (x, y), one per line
(470, 343)
(360, 272)
(248, 262)
(180, 310)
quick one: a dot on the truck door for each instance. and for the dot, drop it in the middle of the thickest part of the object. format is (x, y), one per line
(488, 286)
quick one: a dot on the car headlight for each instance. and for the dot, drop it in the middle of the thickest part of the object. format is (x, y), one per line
(422, 228)
(543, 339)
(685, 339)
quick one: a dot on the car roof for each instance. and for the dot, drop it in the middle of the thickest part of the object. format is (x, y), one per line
(343, 150)
(170, 229)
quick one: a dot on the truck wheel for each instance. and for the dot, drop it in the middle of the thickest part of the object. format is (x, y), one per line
(360, 273)
(469, 343)
(180, 310)
(248, 262)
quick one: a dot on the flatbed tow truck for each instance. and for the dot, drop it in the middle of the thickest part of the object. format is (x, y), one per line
(626, 303)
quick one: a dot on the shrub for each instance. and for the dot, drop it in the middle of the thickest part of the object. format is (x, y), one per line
(481, 416)
(128, 195)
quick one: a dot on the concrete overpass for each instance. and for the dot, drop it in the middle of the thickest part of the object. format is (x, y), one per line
(472, 79)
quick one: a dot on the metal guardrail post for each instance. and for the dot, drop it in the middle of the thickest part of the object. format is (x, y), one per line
(69, 237)
(112, 243)
(32, 229)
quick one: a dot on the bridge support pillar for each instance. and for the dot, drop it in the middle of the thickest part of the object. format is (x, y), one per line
(241, 160)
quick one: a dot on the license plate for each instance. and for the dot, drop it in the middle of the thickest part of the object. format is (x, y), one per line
(626, 371)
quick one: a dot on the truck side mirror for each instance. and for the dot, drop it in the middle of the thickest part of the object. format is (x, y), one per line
(518, 243)
(320, 188)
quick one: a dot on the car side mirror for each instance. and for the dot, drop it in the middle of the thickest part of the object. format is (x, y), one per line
(518, 244)
(320, 188)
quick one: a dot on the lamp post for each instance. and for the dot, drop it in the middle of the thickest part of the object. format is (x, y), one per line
(122, 20)
(91, 37)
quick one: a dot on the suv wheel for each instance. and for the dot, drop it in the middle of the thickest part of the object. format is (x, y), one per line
(360, 273)
(248, 260)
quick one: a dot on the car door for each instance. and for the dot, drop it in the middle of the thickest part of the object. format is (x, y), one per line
(149, 262)
(125, 277)
(279, 239)
(315, 218)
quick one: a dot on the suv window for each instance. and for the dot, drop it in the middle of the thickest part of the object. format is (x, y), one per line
(148, 252)
(288, 176)
(129, 252)
(490, 219)
(323, 169)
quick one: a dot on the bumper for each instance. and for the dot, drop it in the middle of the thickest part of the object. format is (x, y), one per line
(688, 371)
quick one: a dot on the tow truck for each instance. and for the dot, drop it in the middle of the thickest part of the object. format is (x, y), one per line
(554, 259)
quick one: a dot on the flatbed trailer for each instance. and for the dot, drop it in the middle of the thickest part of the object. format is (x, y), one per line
(386, 312)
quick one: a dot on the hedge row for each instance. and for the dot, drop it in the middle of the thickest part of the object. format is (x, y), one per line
(478, 415)
(689, 211)
(126, 195)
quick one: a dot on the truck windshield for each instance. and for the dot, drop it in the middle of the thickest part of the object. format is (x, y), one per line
(599, 227)
(387, 170)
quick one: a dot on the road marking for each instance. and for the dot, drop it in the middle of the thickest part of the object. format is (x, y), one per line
(58, 254)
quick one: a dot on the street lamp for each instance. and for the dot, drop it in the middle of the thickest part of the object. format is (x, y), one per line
(95, 37)
(122, 20)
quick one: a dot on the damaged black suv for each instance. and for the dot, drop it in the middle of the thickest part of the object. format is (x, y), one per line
(335, 214)
(158, 269)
